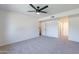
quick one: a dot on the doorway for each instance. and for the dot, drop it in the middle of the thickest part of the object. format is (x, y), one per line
(49, 28)
(55, 28)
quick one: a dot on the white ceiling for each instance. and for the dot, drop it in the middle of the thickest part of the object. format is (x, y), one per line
(52, 8)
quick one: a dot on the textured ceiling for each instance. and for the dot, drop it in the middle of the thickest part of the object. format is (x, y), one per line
(52, 9)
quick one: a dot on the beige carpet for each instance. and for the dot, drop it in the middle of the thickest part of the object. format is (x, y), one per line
(41, 45)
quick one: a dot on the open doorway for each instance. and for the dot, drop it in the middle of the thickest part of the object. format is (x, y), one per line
(55, 28)
(49, 28)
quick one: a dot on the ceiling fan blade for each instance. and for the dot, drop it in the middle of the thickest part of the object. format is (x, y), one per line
(43, 8)
(43, 12)
(32, 6)
(31, 11)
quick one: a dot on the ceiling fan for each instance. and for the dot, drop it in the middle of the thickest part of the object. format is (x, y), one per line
(38, 10)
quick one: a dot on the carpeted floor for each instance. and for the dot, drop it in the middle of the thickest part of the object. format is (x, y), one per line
(41, 45)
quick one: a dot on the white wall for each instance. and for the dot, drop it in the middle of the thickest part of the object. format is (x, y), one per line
(74, 28)
(50, 29)
(15, 27)
(2, 27)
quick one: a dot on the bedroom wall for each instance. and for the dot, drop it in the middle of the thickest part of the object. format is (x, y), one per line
(74, 28)
(15, 27)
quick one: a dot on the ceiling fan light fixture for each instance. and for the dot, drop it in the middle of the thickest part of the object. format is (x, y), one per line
(37, 13)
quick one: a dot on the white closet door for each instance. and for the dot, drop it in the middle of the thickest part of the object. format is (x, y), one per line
(50, 29)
